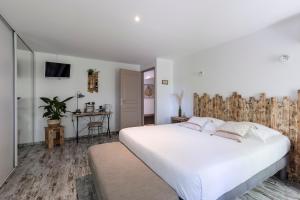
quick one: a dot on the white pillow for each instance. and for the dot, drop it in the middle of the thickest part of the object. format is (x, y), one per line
(212, 124)
(236, 128)
(262, 132)
(201, 121)
(190, 125)
(228, 136)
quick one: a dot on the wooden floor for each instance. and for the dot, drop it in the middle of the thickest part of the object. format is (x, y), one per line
(49, 175)
(148, 119)
(52, 175)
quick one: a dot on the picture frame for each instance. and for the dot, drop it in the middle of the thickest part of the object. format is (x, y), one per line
(164, 82)
(93, 77)
(149, 91)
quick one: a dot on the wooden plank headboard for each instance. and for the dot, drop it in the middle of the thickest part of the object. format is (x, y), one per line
(282, 115)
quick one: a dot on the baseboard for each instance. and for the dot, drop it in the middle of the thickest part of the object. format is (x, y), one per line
(66, 139)
(1, 184)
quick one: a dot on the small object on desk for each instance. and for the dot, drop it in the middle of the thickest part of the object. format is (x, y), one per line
(107, 107)
(101, 109)
(179, 119)
(54, 136)
(89, 107)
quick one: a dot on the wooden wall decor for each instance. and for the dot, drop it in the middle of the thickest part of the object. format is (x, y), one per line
(282, 115)
(93, 82)
(149, 91)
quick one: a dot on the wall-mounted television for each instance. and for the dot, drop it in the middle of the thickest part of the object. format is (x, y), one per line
(59, 70)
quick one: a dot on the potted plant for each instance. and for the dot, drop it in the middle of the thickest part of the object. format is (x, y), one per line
(90, 72)
(54, 110)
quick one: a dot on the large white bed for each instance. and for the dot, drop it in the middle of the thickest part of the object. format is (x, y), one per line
(200, 166)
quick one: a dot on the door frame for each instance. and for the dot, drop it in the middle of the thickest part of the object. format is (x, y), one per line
(143, 96)
(15, 101)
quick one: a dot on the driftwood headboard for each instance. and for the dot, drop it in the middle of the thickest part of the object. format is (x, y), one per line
(282, 115)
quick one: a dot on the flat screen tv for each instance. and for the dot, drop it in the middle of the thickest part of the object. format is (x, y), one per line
(60, 70)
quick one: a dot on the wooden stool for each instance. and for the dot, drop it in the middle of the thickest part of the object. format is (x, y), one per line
(54, 136)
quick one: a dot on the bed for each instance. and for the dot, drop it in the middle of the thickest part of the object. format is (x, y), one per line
(203, 167)
(199, 166)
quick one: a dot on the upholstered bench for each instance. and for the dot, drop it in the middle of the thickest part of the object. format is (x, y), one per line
(119, 175)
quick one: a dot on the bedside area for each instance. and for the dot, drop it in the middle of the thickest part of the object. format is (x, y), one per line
(179, 119)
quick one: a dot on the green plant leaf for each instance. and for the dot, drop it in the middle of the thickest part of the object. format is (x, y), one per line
(45, 99)
(67, 99)
(54, 109)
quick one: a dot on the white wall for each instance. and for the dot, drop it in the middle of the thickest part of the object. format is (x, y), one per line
(164, 93)
(148, 106)
(248, 65)
(149, 102)
(50, 87)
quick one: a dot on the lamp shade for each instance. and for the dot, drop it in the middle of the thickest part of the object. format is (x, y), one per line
(80, 95)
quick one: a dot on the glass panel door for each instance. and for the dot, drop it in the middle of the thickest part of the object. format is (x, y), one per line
(24, 92)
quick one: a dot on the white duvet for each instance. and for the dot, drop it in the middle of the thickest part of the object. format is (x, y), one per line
(199, 166)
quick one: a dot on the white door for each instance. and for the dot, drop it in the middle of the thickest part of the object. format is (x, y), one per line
(131, 112)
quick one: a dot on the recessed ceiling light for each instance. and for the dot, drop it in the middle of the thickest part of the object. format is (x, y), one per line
(137, 19)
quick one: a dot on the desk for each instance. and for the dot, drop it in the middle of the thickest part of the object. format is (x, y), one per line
(91, 114)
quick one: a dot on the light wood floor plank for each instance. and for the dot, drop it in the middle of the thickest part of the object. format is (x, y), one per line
(52, 175)
(45, 174)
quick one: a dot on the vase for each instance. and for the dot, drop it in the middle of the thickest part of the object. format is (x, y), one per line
(53, 123)
(179, 111)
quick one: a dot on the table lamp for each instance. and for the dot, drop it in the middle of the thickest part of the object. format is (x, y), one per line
(78, 96)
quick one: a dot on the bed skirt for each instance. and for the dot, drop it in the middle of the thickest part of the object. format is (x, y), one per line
(257, 179)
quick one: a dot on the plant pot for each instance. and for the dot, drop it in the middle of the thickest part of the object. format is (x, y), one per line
(53, 123)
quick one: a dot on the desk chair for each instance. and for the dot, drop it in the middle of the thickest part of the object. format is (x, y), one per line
(95, 124)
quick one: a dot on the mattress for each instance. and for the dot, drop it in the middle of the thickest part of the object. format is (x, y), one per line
(199, 166)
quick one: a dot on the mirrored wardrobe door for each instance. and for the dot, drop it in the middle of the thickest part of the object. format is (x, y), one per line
(24, 93)
(6, 100)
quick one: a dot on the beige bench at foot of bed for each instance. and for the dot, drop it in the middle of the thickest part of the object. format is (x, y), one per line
(119, 175)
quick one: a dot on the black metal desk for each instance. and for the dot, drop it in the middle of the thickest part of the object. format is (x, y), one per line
(91, 114)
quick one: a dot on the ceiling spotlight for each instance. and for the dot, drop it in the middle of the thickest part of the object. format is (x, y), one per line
(137, 19)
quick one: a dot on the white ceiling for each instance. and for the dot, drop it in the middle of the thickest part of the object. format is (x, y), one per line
(168, 28)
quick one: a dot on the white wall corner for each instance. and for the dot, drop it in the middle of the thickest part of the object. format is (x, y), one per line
(164, 93)
(249, 65)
